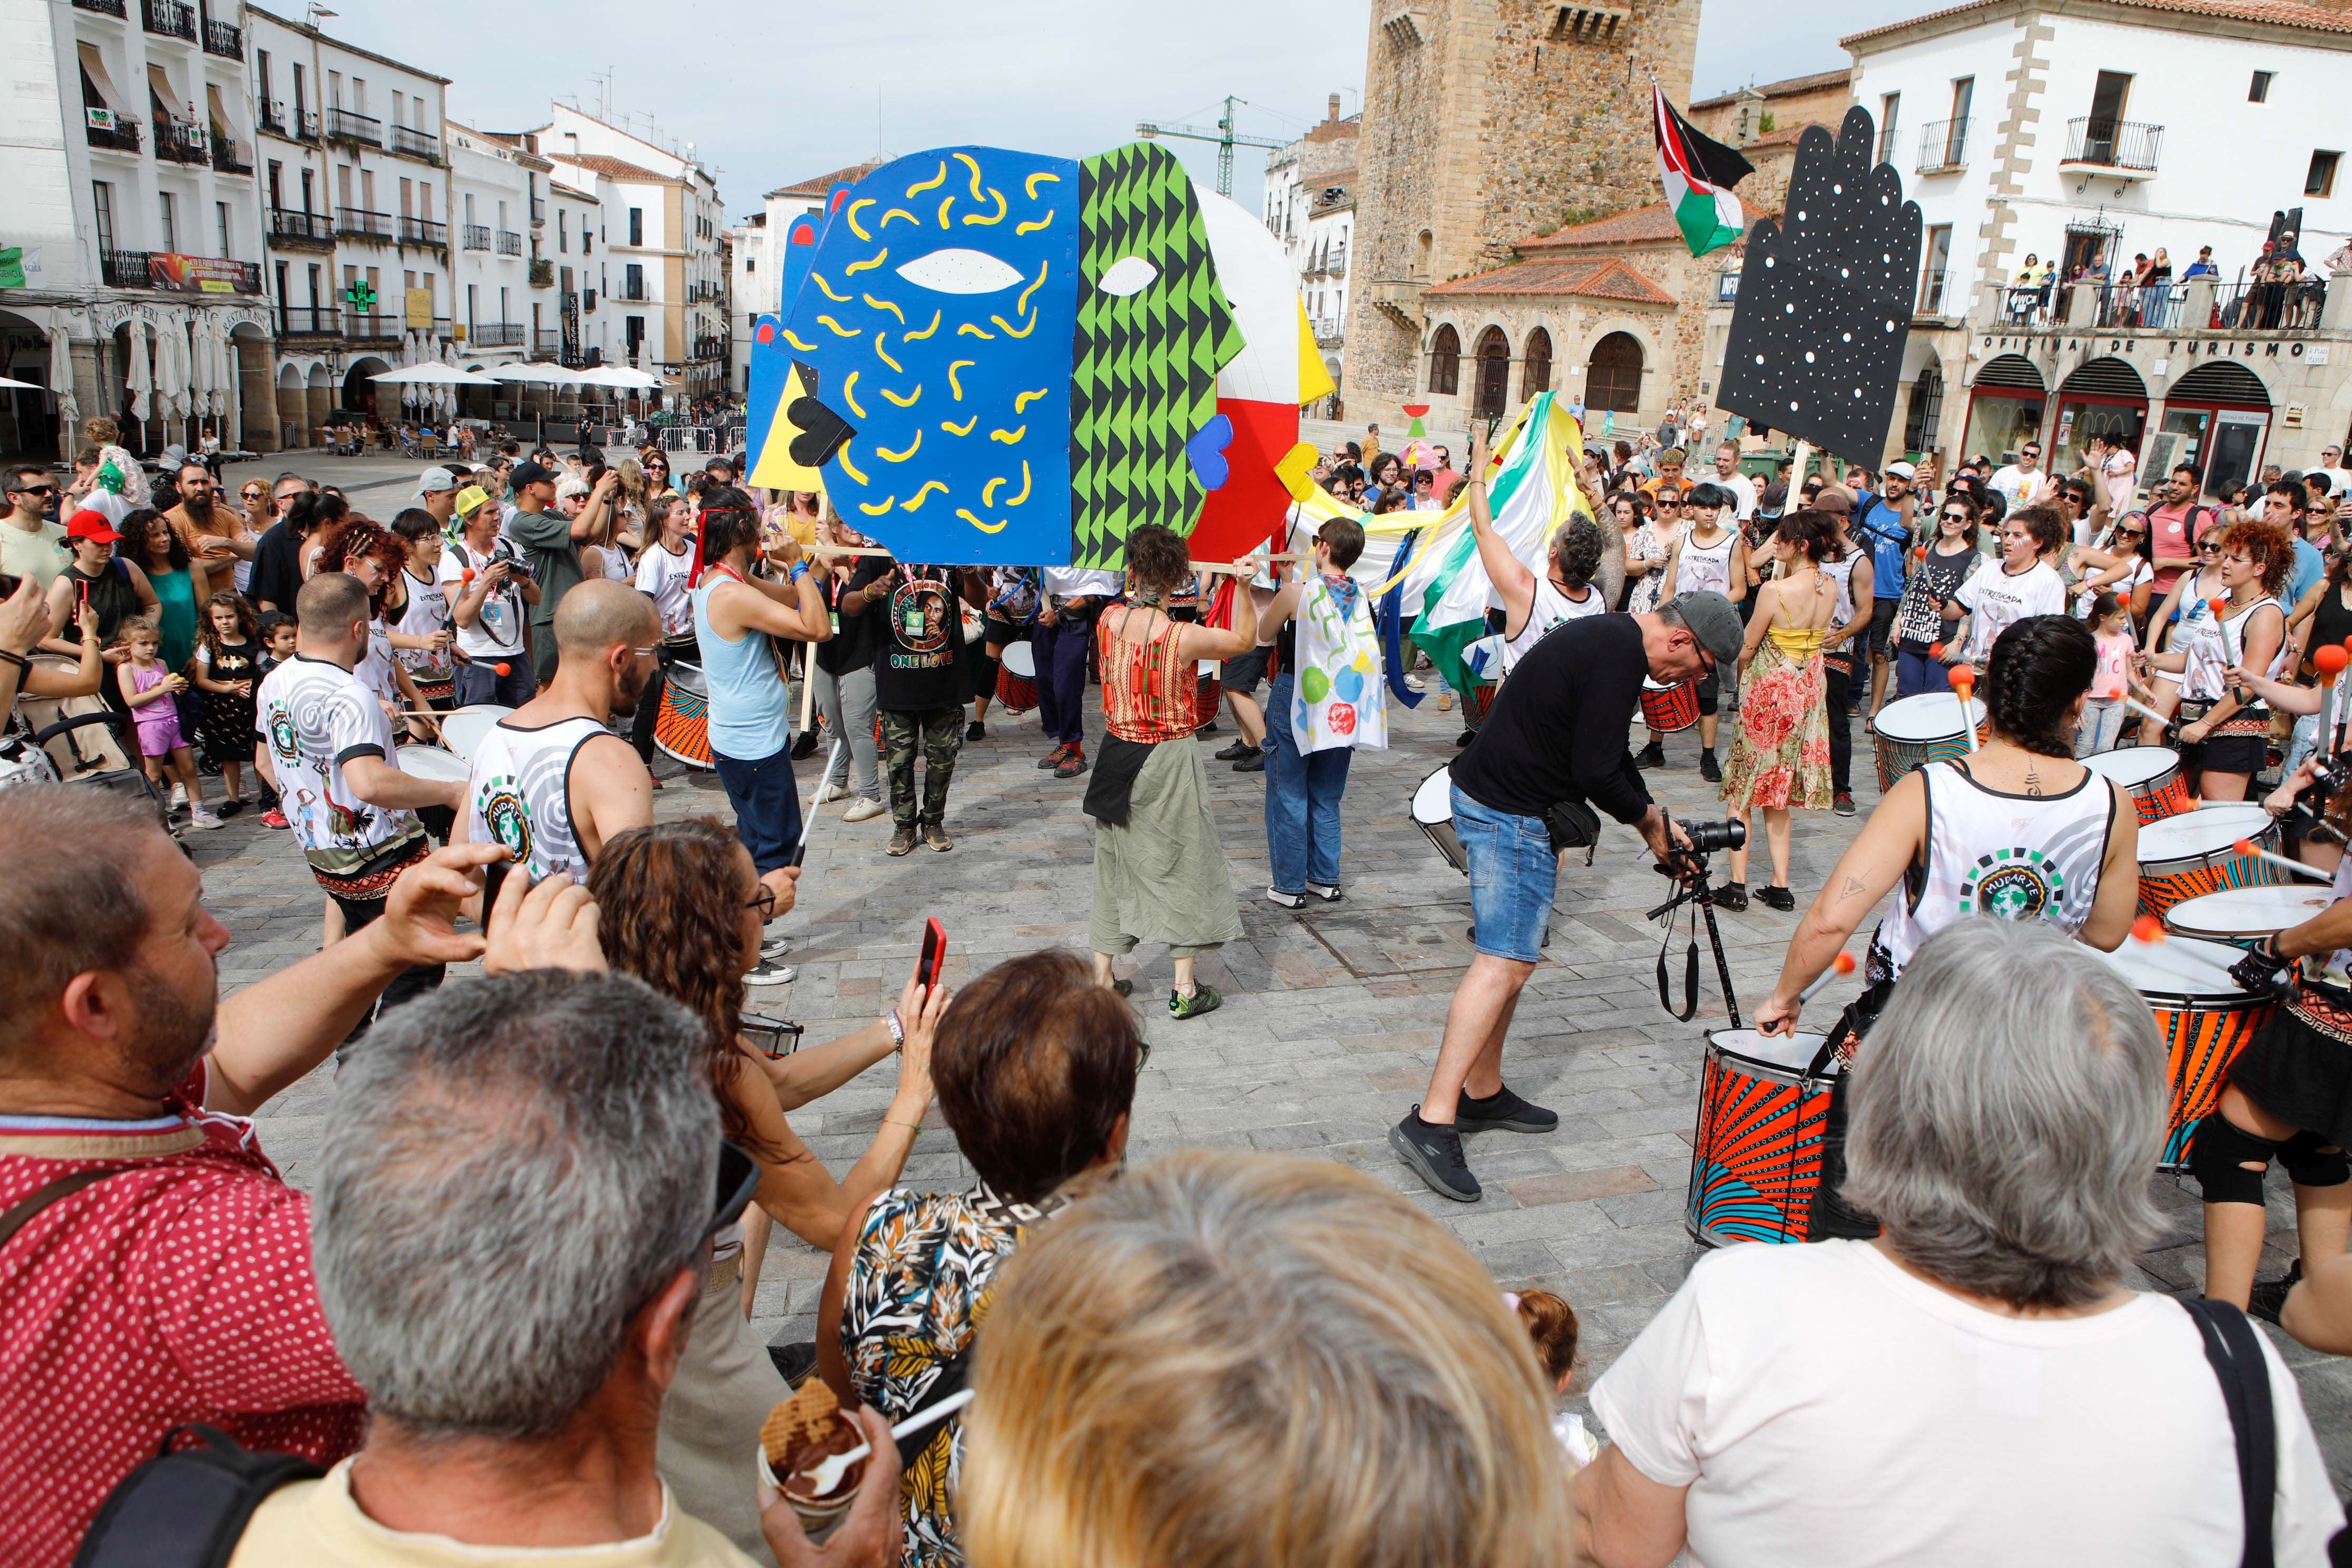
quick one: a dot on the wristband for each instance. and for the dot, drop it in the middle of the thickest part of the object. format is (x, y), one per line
(795, 572)
(915, 1127)
(898, 1030)
(18, 659)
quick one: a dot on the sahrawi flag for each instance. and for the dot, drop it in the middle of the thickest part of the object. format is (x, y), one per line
(1699, 175)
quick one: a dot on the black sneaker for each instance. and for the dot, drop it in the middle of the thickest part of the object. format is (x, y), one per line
(1776, 897)
(1465, 737)
(771, 973)
(1652, 755)
(1842, 803)
(1235, 751)
(805, 745)
(1434, 1153)
(1503, 1113)
(1208, 729)
(1707, 770)
(795, 1360)
(1731, 896)
(975, 730)
(2268, 1297)
(1254, 762)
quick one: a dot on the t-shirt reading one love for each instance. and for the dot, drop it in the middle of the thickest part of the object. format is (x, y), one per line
(179, 1289)
(1928, 1432)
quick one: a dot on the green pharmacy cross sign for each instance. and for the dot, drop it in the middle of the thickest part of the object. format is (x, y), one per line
(361, 296)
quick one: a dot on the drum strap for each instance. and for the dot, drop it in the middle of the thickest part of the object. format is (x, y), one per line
(2236, 1354)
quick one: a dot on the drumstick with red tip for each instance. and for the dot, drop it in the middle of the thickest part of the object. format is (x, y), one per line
(2330, 662)
(2144, 711)
(2220, 606)
(2294, 868)
(1964, 684)
(1842, 964)
(2147, 927)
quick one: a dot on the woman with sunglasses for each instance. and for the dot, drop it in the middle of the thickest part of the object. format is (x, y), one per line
(2225, 742)
(2181, 609)
(1928, 612)
(655, 463)
(679, 907)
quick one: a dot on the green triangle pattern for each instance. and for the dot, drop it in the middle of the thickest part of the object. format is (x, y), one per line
(1144, 368)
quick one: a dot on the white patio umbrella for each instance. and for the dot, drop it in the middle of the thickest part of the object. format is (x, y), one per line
(200, 384)
(61, 381)
(421, 375)
(138, 373)
(7, 381)
(223, 366)
(621, 377)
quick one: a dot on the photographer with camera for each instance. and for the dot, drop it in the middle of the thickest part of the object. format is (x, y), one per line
(2017, 830)
(1551, 750)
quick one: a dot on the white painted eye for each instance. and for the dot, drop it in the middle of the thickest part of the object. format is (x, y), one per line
(959, 271)
(1128, 275)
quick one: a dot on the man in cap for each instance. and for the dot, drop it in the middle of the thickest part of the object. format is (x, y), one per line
(437, 492)
(552, 542)
(1553, 748)
(1883, 527)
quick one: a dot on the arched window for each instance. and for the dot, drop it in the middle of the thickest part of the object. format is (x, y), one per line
(1446, 361)
(1536, 377)
(1494, 386)
(1612, 379)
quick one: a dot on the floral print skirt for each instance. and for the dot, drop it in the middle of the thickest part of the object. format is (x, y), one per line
(1781, 755)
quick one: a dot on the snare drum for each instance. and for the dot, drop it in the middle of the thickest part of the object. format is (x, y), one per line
(462, 730)
(1209, 693)
(1433, 813)
(2203, 1018)
(1756, 1158)
(1477, 702)
(1668, 709)
(1913, 730)
(2183, 856)
(437, 763)
(2151, 776)
(1016, 677)
(682, 726)
(2244, 916)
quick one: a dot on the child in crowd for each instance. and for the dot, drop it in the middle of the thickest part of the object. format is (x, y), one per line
(2103, 709)
(1551, 1324)
(151, 692)
(275, 633)
(227, 659)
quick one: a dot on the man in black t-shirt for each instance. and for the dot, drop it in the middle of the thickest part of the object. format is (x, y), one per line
(1556, 734)
(919, 683)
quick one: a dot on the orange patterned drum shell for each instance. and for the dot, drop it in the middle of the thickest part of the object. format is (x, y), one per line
(1669, 709)
(682, 726)
(1477, 702)
(2166, 881)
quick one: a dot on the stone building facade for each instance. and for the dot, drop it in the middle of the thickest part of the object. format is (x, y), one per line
(1488, 122)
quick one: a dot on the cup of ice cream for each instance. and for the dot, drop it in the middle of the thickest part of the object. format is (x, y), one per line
(798, 1437)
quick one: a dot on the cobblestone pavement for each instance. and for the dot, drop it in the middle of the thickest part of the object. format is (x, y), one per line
(1330, 1022)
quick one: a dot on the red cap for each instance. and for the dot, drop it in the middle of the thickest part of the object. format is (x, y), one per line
(87, 523)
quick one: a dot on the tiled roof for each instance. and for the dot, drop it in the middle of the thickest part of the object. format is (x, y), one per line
(1816, 83)
(1786, 138)
(1609, 279)
(1642, 225)
(2282, 12)
(824, 183)
(614, 168)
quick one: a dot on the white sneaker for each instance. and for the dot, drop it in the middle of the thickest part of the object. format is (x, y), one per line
(201, 817)
(771, 973)
(828, 793)
(179, 797)
(1417, 683)
(864, 810)
(1287, 900)
(775, 946)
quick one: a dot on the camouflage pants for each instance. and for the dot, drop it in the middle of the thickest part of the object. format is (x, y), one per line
(940, 731)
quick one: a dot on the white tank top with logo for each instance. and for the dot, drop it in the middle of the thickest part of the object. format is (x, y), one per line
(426, 612)
(1705, 568)
(2212, 646)
(520, 794)
(2018, 857)
(1841, 574)
(1549, 609)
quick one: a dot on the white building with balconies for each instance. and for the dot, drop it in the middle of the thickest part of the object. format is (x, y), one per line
(1310, 207)
(127, 188)
(355, 180)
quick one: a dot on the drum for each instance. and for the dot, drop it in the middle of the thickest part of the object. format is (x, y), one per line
(1433, 813)
(1478, 701)
(1209, 693)
(1756, 1158)
(2185, 856)
(682, 726)
(2151, 774)
(436, 691)
(1016, 677)
(435, 762)
(1926, 728)
(2244, 916)
(1668, 709)
(2203, 1018)
(462, 730)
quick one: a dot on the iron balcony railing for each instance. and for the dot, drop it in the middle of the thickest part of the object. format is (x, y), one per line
(181, 142)
(357, 324)
(271, 118)
(510, 242)
(477, 237)
(1943, 145)
(104, 7)
(355, 127)
(546, 342)
(497, 334)
(423, 231)
(417, 143)
(359, 220)
(123, 136)
(224, 39)
(170, 17)
(319, 321)
(225, 160)
(2114, 143)
(316, 227)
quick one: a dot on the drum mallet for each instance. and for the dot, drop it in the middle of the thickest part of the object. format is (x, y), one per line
(1964, 686)
(2219, 607)
(2330, 661)
(2144, 711)
(1840, 966)
(2147, 927)
(2294, 868)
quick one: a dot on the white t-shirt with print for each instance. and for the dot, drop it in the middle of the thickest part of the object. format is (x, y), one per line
(1995, 601)
(316, 716)
(662, 576)
(1826, 1408)
(497, 633)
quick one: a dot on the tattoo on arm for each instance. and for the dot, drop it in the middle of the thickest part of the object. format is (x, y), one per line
(1855, 888)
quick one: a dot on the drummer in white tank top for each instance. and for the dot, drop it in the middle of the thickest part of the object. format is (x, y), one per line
(550, 781)
(1533, 606)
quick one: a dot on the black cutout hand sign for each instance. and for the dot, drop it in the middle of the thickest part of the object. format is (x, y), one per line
(1817, 338)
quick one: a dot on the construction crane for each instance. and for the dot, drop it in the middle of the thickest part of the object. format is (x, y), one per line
(1224, 136)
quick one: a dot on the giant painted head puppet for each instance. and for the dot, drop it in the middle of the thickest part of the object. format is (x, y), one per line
(1004, 358)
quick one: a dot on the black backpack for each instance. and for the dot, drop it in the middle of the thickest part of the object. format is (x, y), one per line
(187, 1508)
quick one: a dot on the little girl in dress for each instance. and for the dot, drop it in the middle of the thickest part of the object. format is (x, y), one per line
(149, 690)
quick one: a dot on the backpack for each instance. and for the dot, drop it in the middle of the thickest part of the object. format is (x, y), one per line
(187, 1509)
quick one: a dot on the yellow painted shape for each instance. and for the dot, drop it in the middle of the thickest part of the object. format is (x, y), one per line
(1023, 400)
(896, 212)
(912, 448)
(1293, 470)
(962, 429)
(1010, 437)
(1314, 378)
(1020, 306)
(909, 400)
(955, 385)
(1013, 332)
(883, 354)
(773, 465)
(988, 491)
(868, 265)
(838, 330)
(1041, 177)
(1023, 496)
(876, 509)
(886, 305)
(945, 202)
(804, 348)
(1045, 221)
(967, 160)
(984, 527)
(818, 279)
(914, 503)
(971, 330)
(846, 465)
(933, 183)
(849, 395)
(850, 217)
(972, 219)
(936, 316)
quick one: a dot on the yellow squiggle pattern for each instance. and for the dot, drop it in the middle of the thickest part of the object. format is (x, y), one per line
(886, 305)
(909, 400)
(965, 513)
(876, 509)
(846, 465)
(804, 348)
(933, 183)
(1041, 177)
(1021, 401)
(883, 354)
(972, 219)
(838, 330)
(1010, 437)
(914, 503)
(1043, 223)
(955, 385)
(1021, 305)
(945, 202)
(936, 316)
(896, 212)
(850, 217)
(849, 395)
(1013, 332)
(962, 429)
(868, 265)
(912, 448)
(818, 279)
(971, 329)
(988, 491)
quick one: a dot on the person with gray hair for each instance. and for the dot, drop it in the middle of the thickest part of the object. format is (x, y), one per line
(1982, 1382)
(515, 1368)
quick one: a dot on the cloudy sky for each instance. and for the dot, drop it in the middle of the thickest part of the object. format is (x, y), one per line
(772, 93)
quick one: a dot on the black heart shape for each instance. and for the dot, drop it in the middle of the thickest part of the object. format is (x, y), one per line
(820, 432)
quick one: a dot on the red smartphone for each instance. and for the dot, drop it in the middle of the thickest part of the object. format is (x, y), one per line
(934, 953)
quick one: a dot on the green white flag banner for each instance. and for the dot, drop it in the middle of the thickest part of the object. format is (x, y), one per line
(1699, 175)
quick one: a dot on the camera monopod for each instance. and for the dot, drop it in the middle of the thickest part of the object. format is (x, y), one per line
(1689, 866)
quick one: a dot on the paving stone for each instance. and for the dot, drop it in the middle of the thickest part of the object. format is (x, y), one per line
(1582, 1186)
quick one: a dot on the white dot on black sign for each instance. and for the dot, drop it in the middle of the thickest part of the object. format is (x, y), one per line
(1837, 190)
(1759, 359)
(1791, 310)
(1800, 216)
(1792, 405)
(1767, 261)
(1890, 326)
(1849, 337)
(1809, 357)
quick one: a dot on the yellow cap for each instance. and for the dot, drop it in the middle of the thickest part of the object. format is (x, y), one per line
(470, 498)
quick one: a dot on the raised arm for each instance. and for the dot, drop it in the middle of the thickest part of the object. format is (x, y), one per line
(1871, 867)
(1514, 585)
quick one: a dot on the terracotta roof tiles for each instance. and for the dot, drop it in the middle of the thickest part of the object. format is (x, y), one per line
(1654, 222)
(1609, 280)
(824, 183)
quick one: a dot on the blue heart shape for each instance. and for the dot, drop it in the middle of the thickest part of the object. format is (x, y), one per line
(1207, 451)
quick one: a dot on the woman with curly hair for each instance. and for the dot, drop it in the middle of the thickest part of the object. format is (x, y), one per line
(1781, 752)
(376, 556)
(2226, 737)
(680, 906)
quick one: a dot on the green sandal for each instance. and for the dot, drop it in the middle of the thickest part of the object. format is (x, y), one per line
(1204, 999)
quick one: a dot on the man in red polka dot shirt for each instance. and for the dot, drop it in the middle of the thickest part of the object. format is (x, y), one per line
(179, 1286)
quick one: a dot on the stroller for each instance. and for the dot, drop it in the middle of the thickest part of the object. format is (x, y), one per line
(74, 739)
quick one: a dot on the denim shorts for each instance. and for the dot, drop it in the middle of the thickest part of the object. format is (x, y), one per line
(1513, 872)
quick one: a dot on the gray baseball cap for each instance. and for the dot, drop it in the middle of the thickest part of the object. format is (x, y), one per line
(1712, 621)
(434, 480)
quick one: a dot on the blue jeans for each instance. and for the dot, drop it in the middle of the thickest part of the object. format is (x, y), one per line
(1513, 874)
(767, 805)
(1302, 801)
(1916, 671)
(481, 682)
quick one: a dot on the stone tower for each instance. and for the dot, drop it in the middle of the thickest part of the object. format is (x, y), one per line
(1487, 122)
